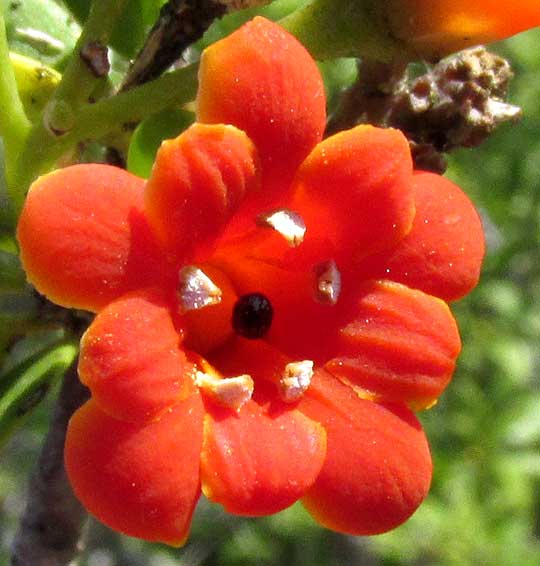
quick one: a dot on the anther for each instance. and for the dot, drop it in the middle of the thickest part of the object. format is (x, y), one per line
(327, 282)
(231, 392)
(196, 290)
(295, 380)
(285, 222)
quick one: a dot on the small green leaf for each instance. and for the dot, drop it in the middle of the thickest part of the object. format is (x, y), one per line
(148, 137)
(337, 74)
(226, 25)
(33, 345)
(29, 382)
(132, 28)
(40, 29)
(35, 82)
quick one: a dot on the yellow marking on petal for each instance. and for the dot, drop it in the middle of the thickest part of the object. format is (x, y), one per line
(422, 404)
(415, 405)
(205, 486)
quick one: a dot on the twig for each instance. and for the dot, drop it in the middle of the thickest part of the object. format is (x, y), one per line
(51, 527)
(180, 23)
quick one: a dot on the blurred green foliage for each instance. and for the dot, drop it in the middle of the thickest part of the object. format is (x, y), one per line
(484, 506)
(132, 27)
(149, 134)
(51, 42)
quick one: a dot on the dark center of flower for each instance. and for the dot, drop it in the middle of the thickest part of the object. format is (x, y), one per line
(252, 316)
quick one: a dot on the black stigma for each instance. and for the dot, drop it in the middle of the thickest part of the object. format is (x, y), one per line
(252, 316)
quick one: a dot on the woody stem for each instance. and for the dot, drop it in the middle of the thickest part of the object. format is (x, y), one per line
(51, 527)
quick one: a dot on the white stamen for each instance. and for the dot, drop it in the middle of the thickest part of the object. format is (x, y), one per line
(287, 223)
(295, 380)
(327, 282)
(196, 290)
(231, 392)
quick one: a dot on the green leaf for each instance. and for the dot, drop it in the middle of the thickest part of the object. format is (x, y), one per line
(149, 134)
(28, 384)
(133, 26)
(34, 344)
(337, 74)
(40, 29)
(226, 25)
(35, 82)
(79, 8)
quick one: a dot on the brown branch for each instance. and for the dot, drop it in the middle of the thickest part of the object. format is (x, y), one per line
(51, 527)
(180, 23)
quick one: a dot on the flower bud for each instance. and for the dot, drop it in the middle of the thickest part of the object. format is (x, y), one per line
(435, 28)
(411, 29)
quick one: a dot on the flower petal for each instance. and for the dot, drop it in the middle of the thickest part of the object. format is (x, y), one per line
(378, 466)
(141, 480)
(260, 460)
(84, 238)
(131, 358)
(401, 345)
(355, 191)
(442, 255)
(262, 80)
(197, 182)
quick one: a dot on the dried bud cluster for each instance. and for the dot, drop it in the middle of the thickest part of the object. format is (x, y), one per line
(458, 103)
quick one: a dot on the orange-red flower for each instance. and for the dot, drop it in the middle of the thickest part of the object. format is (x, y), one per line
(271, 306)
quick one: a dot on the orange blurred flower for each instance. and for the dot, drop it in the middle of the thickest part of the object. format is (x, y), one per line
(271, 306)
(436, 28)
